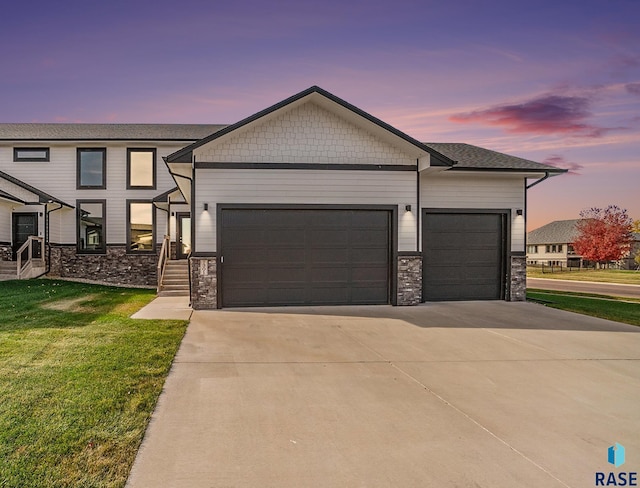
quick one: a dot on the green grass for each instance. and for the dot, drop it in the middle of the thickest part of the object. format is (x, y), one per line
(78, 381)
(599, 275)
(626, 310)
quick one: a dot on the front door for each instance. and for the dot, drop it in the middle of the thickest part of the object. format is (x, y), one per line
(24, 225)
(183, 244)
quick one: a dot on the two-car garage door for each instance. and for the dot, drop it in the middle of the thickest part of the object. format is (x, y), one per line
(281, 256)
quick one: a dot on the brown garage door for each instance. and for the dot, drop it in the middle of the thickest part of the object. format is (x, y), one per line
(304, 257)
(463, 256)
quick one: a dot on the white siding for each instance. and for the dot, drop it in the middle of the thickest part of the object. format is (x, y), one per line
(58, 178)
(302, 187)
(483, 191)
(5, 221)
(304, 134)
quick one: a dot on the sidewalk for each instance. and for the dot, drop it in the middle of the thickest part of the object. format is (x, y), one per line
(169, 308)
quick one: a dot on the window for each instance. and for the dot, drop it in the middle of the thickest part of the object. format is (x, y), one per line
(90, 219)
(532, 249)
(34, 154)
(140, 226)
(91, 170)
(141, 168)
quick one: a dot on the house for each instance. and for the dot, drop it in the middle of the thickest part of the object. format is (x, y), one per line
(552, 245)
(310, 201)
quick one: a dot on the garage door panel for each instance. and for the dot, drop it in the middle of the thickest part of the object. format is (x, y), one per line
(336, 238)
(463, 256)
(306, 257)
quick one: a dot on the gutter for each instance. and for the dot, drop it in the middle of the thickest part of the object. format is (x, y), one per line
(546, 175)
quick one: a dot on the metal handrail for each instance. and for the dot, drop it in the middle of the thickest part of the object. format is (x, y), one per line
(162, 260)
(27, 246)
(189, 271)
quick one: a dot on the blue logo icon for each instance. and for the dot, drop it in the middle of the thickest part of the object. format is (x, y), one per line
(616, 455)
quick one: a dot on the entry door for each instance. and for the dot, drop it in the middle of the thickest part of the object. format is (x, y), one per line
(24, 225)
(183, 244)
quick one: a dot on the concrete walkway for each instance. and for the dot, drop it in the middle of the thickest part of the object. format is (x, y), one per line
(490, 394)
(168, 308)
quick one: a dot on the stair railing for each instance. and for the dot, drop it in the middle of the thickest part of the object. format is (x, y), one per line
(30, 250)
(162, 260)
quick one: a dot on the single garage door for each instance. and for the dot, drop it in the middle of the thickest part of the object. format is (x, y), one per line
(304, 257)
(463, 256)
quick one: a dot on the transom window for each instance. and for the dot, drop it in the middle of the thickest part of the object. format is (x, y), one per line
(91, 170)
(141, 168)
(140, 226)
(34, 154)
(91, 226)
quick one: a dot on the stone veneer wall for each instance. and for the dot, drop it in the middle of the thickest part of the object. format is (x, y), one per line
(6, 253)
(115, 266)
(204, 290)
(518, 278)
(409, 279)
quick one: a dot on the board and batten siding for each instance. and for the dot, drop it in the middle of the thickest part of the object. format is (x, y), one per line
(303, 187)
(58, 178)
(477, 191)
(303, 134)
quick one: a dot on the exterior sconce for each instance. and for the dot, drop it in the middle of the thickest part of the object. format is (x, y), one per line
(519, 211)
(407, 207)
(206, 207)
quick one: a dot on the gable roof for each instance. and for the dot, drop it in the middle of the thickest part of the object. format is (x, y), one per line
(185, 154)
(103, 132)
(471, 157)
(556, 232)
(43, 197)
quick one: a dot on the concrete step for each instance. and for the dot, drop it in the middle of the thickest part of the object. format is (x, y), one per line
(179, 286)
(173, 281)
(173, 293)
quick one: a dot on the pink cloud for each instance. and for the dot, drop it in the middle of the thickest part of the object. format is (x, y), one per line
(549, 114)
(560, 162)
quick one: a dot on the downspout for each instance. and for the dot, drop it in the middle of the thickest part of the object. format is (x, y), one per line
(47, 222)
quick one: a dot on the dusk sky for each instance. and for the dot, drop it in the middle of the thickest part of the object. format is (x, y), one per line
(552, 81)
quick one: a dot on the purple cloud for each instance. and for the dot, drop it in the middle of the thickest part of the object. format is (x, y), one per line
(549, 114)
(633, 88)
(560, 162)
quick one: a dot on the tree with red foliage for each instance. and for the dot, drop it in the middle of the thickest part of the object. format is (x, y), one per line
(604, 235)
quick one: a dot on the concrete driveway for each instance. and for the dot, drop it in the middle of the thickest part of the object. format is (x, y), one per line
(490, 394)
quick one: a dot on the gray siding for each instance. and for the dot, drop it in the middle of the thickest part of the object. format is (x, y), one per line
(304, 187)
(488, 191)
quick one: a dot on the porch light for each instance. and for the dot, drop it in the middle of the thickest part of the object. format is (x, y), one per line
(407, 207)
(518, 211)
(206, 207)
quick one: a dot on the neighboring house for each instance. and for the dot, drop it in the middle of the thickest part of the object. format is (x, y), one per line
(552, 245)
(309, 202)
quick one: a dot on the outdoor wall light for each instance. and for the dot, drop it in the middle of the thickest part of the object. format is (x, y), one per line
(173, 214)
(206, 207)
(407, 207)
(518, 211)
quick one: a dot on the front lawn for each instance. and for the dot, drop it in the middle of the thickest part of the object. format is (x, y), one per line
(599, 275)
(78, 381)
(626, 310)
